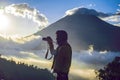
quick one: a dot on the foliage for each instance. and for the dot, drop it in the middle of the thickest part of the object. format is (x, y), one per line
(9, 70)
(111, 71)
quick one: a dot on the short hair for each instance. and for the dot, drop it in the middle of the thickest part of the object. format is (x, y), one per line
(62, 35)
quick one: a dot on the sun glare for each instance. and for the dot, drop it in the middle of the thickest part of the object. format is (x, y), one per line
(4, 22)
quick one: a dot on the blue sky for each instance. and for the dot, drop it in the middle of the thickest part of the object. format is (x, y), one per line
(55, 9)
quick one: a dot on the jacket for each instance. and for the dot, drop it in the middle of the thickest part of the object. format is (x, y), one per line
(62, 58)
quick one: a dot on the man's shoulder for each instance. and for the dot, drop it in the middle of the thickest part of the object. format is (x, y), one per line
(65, 47)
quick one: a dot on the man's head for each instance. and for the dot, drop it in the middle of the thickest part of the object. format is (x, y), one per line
(61, 37)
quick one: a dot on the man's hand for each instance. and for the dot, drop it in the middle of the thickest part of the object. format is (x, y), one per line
(49, 40)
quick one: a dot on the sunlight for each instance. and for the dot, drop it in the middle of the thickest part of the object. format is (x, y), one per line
(4, 22)
(87, 74)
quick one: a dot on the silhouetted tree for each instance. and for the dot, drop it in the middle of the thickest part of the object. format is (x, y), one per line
(111, 71)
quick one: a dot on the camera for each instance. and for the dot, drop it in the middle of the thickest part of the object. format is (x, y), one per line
(46, 38)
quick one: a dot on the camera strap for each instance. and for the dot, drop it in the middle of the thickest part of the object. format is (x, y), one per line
(46, 55)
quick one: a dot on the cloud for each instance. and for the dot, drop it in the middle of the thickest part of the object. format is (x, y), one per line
(118, 10)
(22, 17)
(30, 61)
(24, 10)
(118, 4)
(91, 5)
(82, 74)
(25, 43)
(82, 10)
(113, 19)
(95, 60)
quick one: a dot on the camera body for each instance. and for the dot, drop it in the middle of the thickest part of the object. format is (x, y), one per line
(48, 38)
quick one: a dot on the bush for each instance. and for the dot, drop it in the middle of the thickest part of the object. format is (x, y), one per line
(111, 71)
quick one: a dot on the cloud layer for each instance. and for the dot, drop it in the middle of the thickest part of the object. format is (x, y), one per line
(26, 43)
(113, 19)
(81, 10)
(95, 60)
(82, 63)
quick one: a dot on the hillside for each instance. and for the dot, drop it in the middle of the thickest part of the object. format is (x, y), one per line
(9, 70)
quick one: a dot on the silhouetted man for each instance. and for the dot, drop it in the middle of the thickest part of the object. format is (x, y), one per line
(62, 55)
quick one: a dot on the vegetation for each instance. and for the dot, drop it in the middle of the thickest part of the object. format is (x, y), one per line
(111, 71)
(9, 70)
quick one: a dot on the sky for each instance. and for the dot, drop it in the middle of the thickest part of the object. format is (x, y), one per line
(20, 18)
(55, 9)
(49, 10)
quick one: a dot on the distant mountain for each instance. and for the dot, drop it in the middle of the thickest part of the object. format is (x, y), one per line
(85, 30)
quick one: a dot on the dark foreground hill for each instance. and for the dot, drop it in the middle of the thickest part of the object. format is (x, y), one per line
(85, 30)
(9, 70)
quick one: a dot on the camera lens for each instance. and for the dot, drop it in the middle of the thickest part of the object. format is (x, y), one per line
(44, 39)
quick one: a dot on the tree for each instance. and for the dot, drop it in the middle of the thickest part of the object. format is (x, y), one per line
(111, 71)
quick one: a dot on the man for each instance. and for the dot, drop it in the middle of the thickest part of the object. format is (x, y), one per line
(62, 55)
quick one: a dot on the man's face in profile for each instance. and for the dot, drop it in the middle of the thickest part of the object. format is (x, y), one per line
(58, 39)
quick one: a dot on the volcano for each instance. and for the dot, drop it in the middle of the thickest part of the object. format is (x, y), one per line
(85, 30)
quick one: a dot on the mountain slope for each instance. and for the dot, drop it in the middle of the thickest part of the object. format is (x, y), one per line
(10, 70)
(85, 30)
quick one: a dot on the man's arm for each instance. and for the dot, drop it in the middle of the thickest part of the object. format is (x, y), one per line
(51, 46)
